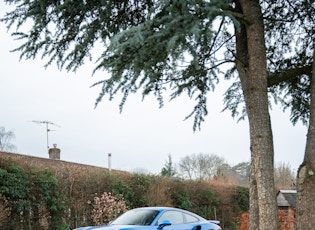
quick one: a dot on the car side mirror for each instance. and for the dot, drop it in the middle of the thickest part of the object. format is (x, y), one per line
(163, 224)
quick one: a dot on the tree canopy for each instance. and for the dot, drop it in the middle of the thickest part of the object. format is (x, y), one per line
(182, 47)
(289, 39)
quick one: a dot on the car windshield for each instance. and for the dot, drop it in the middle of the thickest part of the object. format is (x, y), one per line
(136, 217)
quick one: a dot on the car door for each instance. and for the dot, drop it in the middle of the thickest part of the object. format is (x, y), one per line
(176, 218)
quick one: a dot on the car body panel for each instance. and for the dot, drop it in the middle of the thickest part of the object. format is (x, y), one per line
(157, 218)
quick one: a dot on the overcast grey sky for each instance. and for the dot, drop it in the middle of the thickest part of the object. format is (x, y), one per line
(141, 137)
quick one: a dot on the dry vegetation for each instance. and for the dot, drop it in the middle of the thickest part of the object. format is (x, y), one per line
(78, 184)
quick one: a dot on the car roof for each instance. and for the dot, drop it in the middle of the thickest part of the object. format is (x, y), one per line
(161, 208)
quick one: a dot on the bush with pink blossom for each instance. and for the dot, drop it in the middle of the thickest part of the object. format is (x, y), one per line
(107, 207)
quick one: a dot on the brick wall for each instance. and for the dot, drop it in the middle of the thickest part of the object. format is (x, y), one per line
(244, 221)
(286, 219)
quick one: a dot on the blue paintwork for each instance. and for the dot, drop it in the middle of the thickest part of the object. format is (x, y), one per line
(195, 223)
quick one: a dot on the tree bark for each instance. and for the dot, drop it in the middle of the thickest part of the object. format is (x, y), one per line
(242, 68)
(306, 174)
(254, 84)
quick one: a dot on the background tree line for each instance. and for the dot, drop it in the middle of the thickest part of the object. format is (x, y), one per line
(204, 166)
(200, 166)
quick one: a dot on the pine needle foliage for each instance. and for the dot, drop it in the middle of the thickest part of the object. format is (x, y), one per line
(155, 46)
(169, 46)
(289, 38)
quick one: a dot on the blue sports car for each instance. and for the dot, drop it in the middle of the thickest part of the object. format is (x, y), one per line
(158, 218)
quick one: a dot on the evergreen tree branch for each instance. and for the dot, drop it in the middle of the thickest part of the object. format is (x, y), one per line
(289, 74)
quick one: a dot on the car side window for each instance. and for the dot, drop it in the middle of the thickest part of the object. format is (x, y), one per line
(190, 218)
(174, 217)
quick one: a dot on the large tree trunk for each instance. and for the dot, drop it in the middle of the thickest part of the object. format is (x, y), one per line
(242, 67)
(306, 174)
(263, 208)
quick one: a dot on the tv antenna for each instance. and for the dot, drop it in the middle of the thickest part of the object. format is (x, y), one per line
(47, 123)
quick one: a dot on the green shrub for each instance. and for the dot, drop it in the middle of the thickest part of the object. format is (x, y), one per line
(241, 200)
(183, 200)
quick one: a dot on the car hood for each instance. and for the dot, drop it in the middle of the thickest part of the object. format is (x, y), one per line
(113, 227)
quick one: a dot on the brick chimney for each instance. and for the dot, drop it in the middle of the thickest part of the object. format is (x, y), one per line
(54, 153)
